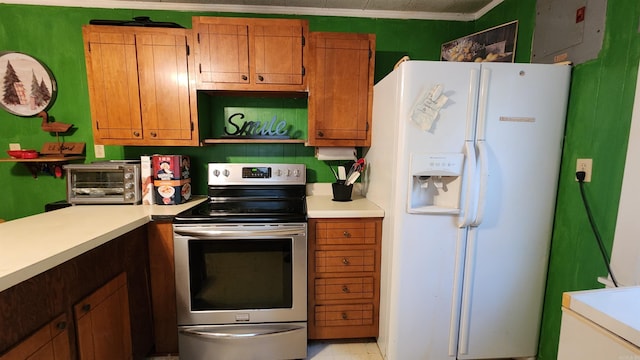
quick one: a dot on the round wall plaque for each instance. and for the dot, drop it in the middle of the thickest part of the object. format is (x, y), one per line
(27, 86)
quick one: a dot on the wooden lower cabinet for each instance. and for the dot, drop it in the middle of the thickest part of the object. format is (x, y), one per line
(101, 296)
(344, 277)
(163, 288)
(103, 324)
(51, 342)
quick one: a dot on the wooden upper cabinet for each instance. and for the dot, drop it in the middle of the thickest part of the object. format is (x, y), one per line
(250, 54)
(141, 85)
(340, 89)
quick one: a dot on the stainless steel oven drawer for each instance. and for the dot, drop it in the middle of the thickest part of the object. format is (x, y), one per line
(240, 342)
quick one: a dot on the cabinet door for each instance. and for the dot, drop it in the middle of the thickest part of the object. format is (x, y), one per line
(246, 54)
(103, 324)
(163, 78)
(222, 52)
(112, 74)
(341, 89)
(163, 288)
(51, 342)
(279, 52)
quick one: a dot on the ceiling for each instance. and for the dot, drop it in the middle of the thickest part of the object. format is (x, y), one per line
(462, 10)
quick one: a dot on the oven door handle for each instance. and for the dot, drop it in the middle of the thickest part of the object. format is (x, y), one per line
(235, 233)
(219, 333)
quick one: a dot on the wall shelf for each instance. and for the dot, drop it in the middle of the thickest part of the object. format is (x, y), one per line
(252, 141)
(50, 161)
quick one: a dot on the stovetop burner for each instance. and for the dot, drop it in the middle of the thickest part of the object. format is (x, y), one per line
(251, 193)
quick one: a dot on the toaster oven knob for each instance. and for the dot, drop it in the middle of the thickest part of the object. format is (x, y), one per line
(129, 196)
(128, 186)
(128, 176)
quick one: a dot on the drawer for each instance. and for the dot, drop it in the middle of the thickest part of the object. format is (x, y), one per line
(344, 288)
(332, 261)
(344, 315)
(346, 233)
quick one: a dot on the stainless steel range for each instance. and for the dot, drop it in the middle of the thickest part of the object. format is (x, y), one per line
(241, 265)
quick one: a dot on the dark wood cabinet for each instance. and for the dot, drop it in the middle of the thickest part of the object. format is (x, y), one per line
(51, 342)
(340, 89)
(163, 288)
(27, 306)
(344, 277)
(103, 326)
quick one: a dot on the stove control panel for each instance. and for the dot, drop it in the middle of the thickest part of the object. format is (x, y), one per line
(267, 174)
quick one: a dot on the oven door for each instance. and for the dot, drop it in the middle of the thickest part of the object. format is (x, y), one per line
(240, 273)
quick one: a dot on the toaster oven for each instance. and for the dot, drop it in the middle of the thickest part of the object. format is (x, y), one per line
(109, 182)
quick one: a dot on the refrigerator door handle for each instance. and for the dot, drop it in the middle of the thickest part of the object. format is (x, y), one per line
(466, 217)
(454, 320)
(465, 306)
(469, 175)
(483, 162)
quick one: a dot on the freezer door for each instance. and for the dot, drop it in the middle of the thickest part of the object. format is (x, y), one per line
(520, 133)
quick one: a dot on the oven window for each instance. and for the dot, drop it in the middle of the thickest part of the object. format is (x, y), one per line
(240, 274)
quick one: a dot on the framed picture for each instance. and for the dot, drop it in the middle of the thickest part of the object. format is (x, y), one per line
(495, 44)
(28, 86)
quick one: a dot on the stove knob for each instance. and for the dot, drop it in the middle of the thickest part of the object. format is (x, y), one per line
(288, 172)
(296, 173)
(225, 172)
(279, 172)
(216, 172)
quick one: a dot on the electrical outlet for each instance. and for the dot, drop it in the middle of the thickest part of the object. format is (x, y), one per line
(99, 150)
(584, 165)
(14, 146)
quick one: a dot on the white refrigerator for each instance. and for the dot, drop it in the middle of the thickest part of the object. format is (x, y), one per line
(464, 161)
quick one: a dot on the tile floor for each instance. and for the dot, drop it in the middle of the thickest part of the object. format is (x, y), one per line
(330, 350)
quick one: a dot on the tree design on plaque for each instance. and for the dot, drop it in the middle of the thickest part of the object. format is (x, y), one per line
(15, 97)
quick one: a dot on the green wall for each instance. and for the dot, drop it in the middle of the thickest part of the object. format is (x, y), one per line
(599, 117)
(53, 35)
(597, 126)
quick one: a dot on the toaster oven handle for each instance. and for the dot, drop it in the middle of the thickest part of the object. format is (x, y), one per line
(220, 333)
(233, 233)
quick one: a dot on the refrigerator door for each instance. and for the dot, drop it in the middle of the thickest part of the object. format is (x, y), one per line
(421, 254)
(520, 132)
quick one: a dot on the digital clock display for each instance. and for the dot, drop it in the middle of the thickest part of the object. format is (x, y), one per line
(256, 172)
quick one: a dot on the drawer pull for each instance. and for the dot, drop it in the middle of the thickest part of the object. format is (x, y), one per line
(344, 316)
(136, 134)
(244, 77)
(260, 77)
(345, 261)
(345, 289)
(346, 234)
(154, 134)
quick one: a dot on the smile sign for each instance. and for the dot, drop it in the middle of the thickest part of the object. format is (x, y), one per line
(237, 127)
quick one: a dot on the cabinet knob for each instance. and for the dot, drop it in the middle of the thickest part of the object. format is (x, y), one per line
(260, 77)
(86, 307)
(320, 134)
(346, 234)
(344, 316)
(61, 325)
(244, 77)
(345, 261)
(136, 133)
(345, 289)
(154, 134)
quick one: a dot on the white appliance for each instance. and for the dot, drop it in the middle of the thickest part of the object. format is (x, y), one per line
(465, 162)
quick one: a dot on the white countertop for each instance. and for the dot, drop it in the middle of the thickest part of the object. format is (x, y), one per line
(320, 204)
(34, 244)
(615, 309)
